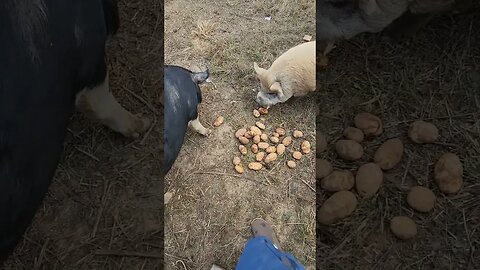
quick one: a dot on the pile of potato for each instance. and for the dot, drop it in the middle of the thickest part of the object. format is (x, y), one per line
(369, 177)
(260, 148)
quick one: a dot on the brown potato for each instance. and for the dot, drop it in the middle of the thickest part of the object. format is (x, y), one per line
(260, 125)
(243, 149)
(254, 148)
(368, 180)
(248, 135)
(306, 147)
(291, 164)
(423, 132)
(256, 166)
(354, 134)
(321, 142)
(449, 173)
(240, 132)
(263, 110)
(239, 168)
(236, 161)
(421, 199)
(370, 124)
(297, 134)
(275, 134)
(280, 131)
(243, 140)
(256, 113)
(297, 155)
(403, 227)
(259, 156)
(219, 121)
(389, 154)
(287, 141)
(340, 205)
(274, 139)
(271, 149)
(256, 139)
(255, 131)
(271, 157)
(264, 137)
(263, 145)
(349, 150)
(323, 168)
(338, 180)
(280, 149)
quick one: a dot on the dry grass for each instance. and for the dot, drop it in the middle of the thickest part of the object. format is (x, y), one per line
(207, 220)
(103, 209)
(435, 77)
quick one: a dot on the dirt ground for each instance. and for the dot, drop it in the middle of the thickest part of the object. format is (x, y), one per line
(207, 220)
(103, 210)
(434, 77)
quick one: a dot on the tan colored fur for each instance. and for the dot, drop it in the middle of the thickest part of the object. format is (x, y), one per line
(291, 74)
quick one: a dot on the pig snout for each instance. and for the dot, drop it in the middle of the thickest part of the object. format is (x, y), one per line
(200, 77)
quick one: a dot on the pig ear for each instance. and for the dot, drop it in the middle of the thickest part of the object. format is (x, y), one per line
(258, 69)
(200, 77)
(276, 88)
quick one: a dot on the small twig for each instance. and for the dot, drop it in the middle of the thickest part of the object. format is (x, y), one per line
(87, 154)
(142, 142)
(308, 185)
(121, 253)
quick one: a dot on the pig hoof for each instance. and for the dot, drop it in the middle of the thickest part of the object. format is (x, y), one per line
(139, 125)
(207, 132)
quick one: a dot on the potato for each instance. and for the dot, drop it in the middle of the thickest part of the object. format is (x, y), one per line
(291, 164)
(219, 121)
(254, 148)
(239, 168)
(274, 139)
(243, 149)
(421, 199)
(240, 132)
(306, 147)
(264, 137)
(370, 124)
(275, 134)
(260, 125)
(280, 149)
(449, 173)
(389, 154)
(263, 111)
(243, 140)
(280, 131)
(287, 141)
(263, 145)
(403, 227)
(354, 134)
(368, 180)
(423, 132)
(256, 166)
(256, 139)
(255, 131)
(271, 149)
(271, 157)
(259, 156)
(297, 155)
(236, 161)
(338, 180)
(349, 149)
(340, 205)
(297, 134)
(321, 142)
(323, 168)
(248, 135)
(256, 113)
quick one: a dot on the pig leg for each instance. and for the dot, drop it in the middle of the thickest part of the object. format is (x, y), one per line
(198, 127)
(98, 103)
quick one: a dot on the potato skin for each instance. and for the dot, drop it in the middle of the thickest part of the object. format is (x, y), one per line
(423, 132)
(321, 142)
(421, 199)
(389, 154)
(368, 180)
(323, 168)
(349, 149)
(338, 180)
(340, 205)
(403, 227)
(370, 124)
(449, 173)
(354, 134)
